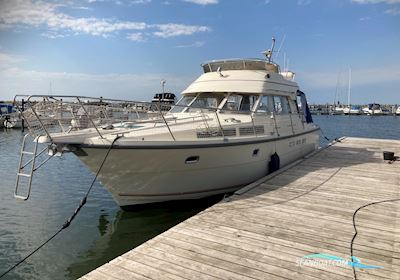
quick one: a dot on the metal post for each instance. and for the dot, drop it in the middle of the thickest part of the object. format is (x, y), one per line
(40, 121)
(219, 123)
(275, 124)
(254, 127)
(22, 111)
(165, 121)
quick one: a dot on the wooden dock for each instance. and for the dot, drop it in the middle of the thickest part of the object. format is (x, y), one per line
(265, 229)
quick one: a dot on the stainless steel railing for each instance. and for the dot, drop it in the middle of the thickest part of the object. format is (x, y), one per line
(50, 114)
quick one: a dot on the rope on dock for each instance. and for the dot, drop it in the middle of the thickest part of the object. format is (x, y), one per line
(355, 227)
(70, 219)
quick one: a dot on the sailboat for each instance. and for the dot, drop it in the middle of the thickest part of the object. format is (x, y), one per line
(351, 109)
(337, 108)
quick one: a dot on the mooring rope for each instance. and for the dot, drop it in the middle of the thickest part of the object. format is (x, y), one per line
(70, 219)
(355, 227)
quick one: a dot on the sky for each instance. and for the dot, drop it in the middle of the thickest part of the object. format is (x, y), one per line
(124, 48)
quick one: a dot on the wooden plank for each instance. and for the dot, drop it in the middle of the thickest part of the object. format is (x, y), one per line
(135, 267)
(165, 264)
(284, 236)
(242, 237)
(295, 229)
(122, 272)
(191, 259)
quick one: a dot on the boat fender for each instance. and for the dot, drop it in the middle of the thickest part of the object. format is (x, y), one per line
(274, 163)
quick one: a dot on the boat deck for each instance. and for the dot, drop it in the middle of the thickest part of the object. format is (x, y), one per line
(264, 230)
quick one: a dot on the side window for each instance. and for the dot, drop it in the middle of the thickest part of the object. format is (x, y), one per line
(248, 102)
(277, 105)
(264, 105)
(285, 105)
(233, 103)
(281, 105)
(299, 106)
(242, 103)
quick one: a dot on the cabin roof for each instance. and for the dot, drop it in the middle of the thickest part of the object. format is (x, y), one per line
(239, 64)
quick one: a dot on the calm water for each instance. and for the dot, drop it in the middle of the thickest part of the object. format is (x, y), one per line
(101, 231)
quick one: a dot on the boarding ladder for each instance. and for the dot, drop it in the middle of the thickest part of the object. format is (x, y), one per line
(33, 166)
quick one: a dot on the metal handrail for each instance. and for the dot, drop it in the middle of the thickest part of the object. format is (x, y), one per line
(169, 129)
(84, 109)
(122, 110)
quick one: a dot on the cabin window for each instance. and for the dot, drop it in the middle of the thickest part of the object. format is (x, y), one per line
(285, 105)
(281, 105)
(264, 105)
(299, 105)
(182, 104)
(240, 103)
(208, 101)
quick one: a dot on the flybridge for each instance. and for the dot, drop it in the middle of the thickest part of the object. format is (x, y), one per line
(239, 64)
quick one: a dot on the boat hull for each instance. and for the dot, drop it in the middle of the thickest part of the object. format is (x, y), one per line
(140, 175)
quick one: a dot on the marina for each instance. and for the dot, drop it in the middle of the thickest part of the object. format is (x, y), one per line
(250, 147)
(103, 231)
(199, 139)
(266, 229)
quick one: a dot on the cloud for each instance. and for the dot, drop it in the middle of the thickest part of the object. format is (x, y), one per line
(136, 37)
(52, 35)
(173, 30)
(202, 2)
(375, 1)
(38, 14)
(135, 2)
(393, 11)
(194, 45)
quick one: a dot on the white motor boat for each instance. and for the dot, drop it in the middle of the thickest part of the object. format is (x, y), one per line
(13, 120)
(338, 111)
(240, 120)
(398, 111)
(373, 109)
(352, 110)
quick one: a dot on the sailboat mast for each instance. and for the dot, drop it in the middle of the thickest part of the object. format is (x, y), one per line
(349, 89)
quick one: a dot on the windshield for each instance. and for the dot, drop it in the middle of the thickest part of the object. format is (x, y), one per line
(205, 100)
(240, 103)
(181, 105)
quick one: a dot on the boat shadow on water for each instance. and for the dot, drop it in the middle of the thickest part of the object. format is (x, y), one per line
(129, 229)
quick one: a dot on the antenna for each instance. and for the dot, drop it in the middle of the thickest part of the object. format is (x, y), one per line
(284, 62)
(269, 52)
(280, 47)
(272, 49)
(349, 89)
(163, 85)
